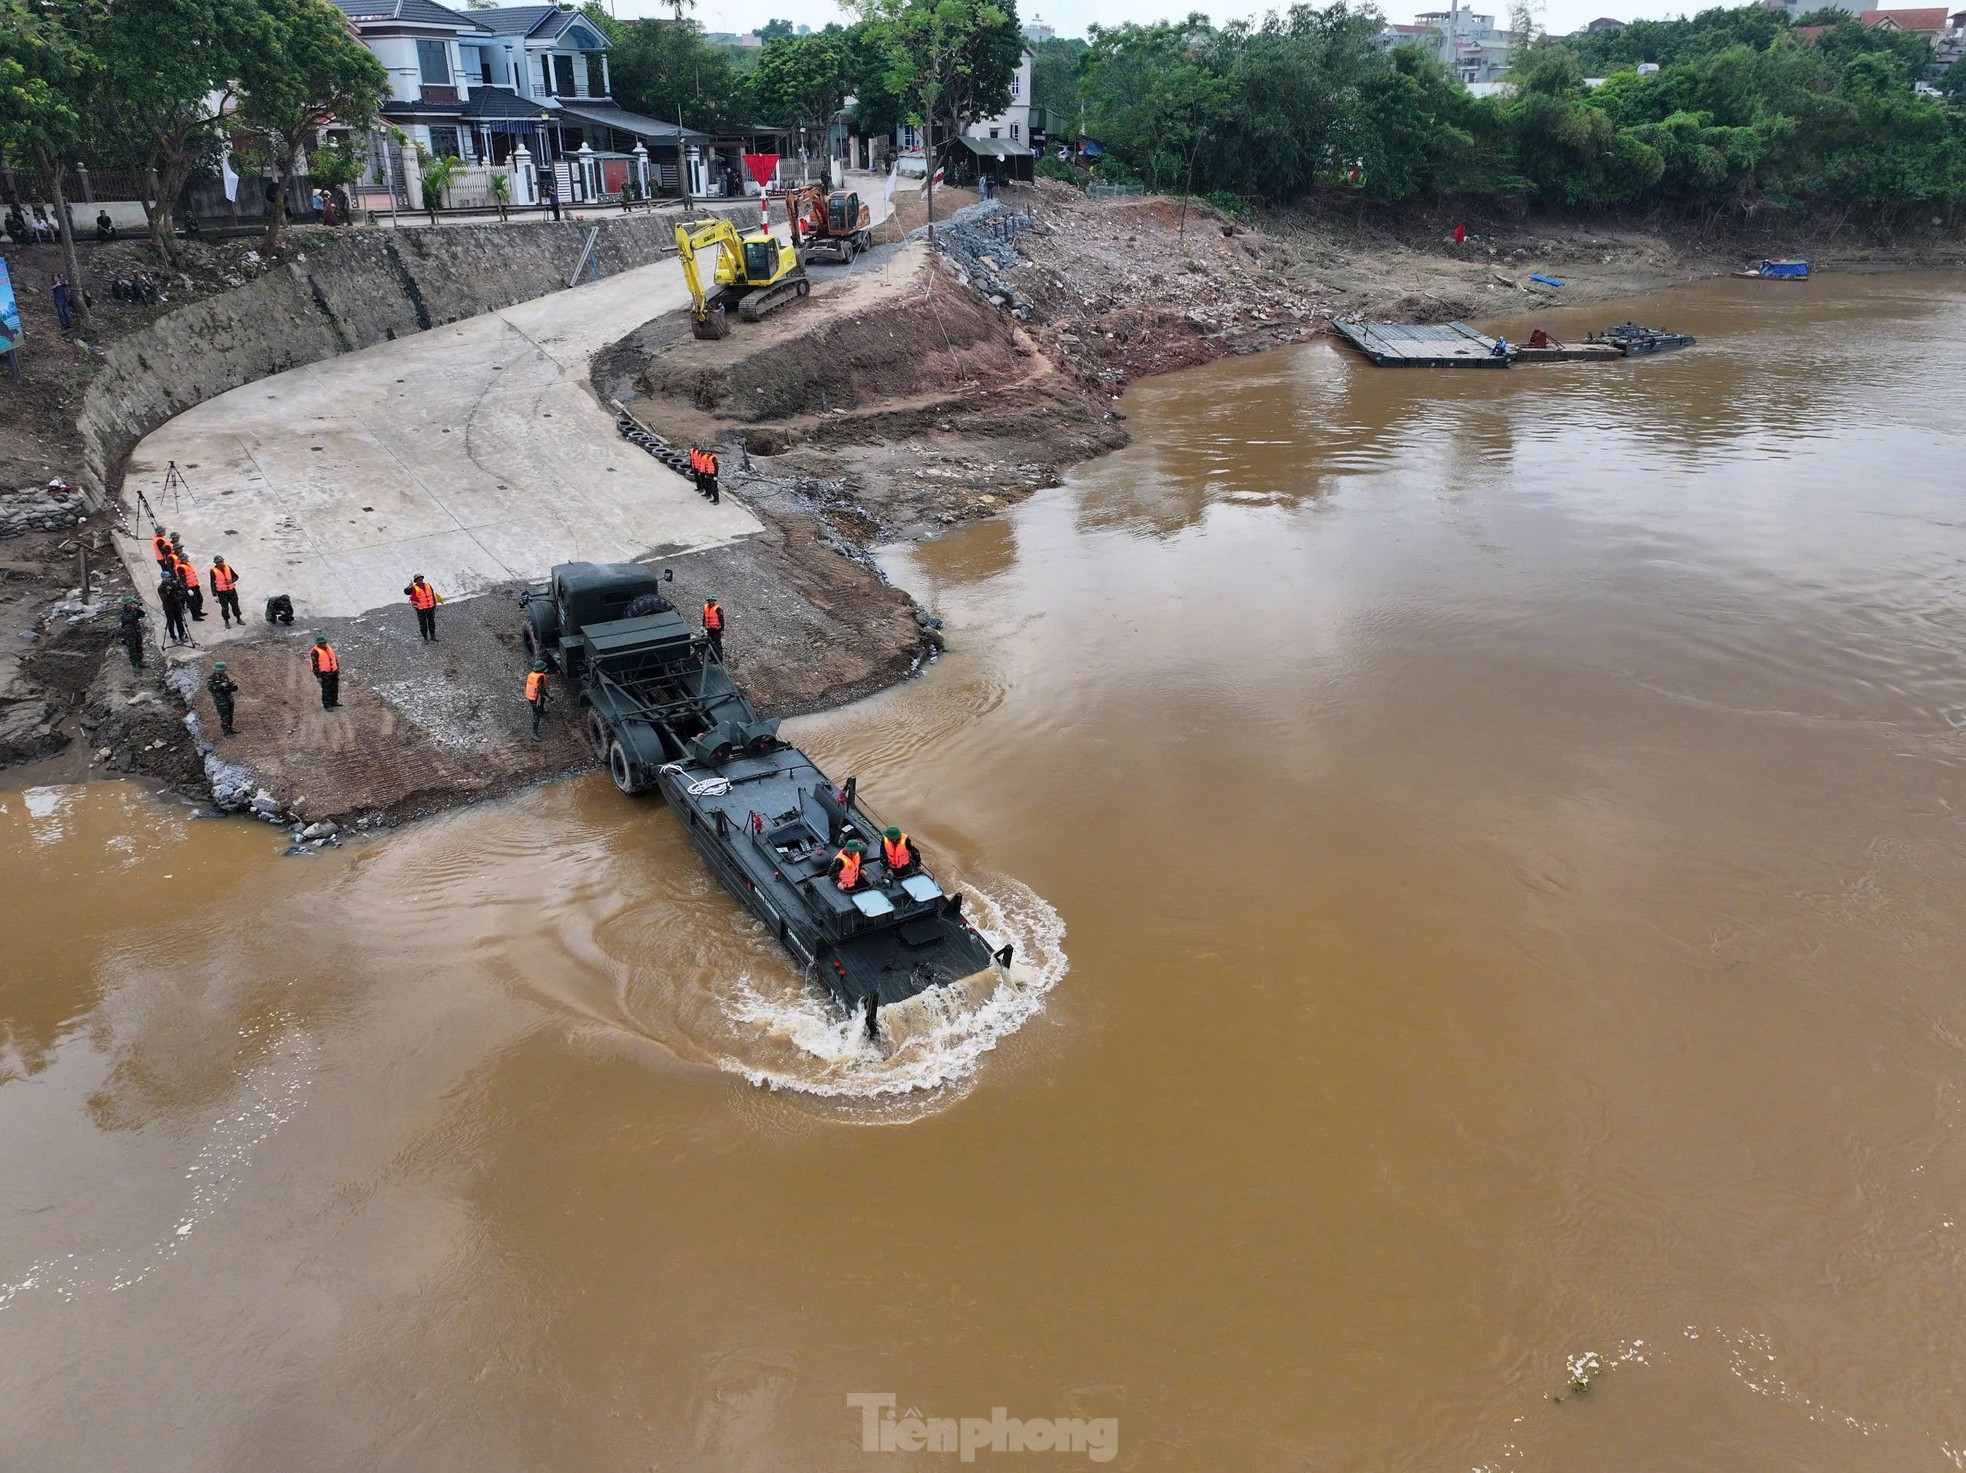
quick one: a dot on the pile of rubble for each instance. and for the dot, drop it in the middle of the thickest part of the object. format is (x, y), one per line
(1124, 289)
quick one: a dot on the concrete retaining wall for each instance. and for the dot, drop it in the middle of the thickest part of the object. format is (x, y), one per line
(349, 291)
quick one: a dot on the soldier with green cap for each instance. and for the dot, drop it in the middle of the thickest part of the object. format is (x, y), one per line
(536, 694)
(130, 626)
(845, 868)
(223, 687)
(898, 852)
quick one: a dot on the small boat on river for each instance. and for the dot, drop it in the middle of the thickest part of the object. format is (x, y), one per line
(1776, 271)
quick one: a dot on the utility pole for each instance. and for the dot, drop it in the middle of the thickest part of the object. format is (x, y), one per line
(682, 162)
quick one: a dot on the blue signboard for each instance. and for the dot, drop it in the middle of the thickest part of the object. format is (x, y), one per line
(10, 333)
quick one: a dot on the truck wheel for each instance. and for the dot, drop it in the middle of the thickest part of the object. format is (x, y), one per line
(532, 645)
(623, 772)
(804, 287)
(598, 735)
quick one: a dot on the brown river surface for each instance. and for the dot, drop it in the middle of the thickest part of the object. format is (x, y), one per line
(1486, 853)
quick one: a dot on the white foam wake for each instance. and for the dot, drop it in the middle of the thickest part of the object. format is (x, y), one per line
(825, 1049)
(268, 1097)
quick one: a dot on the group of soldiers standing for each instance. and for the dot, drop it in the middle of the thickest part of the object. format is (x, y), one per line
(182, 597)
(180, 594)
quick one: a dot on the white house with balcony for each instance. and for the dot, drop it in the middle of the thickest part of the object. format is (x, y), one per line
(520, 90)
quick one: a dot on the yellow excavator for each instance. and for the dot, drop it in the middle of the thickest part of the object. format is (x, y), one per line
(755, 273)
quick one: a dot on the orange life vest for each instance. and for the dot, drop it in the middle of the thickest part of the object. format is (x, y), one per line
(849, 869)
(896, 852)
(161, 549)
(710, 463)
(713, 616)
(535, 685)
(423, 595)
(696, 460)
(224, 580)
(184, 573)
(324, 661)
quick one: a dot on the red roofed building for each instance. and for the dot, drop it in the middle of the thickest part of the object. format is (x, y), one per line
(1923, 22)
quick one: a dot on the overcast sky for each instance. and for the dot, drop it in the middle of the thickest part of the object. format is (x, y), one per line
(1070, 17)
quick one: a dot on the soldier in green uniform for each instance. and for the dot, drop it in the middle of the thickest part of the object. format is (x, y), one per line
(131, 620)
(223, 687)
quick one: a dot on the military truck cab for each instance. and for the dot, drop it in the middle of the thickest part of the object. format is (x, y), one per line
(652, 690)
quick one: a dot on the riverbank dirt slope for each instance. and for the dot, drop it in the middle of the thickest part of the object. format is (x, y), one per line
(929, 383)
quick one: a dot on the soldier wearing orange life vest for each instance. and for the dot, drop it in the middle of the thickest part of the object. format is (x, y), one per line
(898, 852)
(845, 867)
(327, 670)
(423, 598)
(536, 694)
(187, 577)
(161, 549)
(713, 625)
(225, 588)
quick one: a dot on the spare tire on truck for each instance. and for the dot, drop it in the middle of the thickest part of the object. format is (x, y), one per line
(642, 605)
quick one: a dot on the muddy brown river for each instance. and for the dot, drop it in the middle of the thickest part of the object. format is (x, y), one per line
(1485, 854)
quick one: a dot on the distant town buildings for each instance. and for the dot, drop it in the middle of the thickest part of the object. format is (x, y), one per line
(1471, 47)
(1468, 44)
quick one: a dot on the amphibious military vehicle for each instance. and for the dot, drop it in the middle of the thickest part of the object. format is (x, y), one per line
(664, 713)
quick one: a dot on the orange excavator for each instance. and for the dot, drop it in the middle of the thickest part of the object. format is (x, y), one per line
(828, 227)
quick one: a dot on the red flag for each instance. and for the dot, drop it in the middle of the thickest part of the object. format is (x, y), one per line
(762, 166)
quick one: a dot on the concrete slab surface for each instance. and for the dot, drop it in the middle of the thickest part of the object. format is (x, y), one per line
(474, 453)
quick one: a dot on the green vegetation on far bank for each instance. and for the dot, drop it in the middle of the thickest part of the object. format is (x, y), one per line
(1745, 110)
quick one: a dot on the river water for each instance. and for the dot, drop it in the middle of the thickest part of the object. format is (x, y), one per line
(1485, 850)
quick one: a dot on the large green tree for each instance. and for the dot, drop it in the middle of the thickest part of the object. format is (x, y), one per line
(666, 69)
(802, 81)
(1055, 75)
(46, 70)
(1156, 94)
(306, 68)
(164, 89)
(954, 60)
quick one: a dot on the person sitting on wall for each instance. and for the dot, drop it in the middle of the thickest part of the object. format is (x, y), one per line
(105, 227)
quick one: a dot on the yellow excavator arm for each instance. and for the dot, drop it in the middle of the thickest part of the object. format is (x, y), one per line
(755, 272)
(700, 235)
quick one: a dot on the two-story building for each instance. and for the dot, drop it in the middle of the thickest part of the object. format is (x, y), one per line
(1000, 146)
(1014, 122)
(523, 86)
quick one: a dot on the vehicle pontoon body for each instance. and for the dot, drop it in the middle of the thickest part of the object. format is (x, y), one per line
(766, 821)
(1635, 341)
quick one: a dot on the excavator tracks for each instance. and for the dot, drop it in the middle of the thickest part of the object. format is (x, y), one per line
(756, 304)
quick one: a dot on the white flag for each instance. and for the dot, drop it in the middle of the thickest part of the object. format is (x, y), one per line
(893, 177)
(225, 173)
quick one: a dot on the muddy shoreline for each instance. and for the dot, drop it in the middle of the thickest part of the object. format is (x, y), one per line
(920, 390)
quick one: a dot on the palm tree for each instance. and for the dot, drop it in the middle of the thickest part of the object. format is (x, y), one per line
(438, 176)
